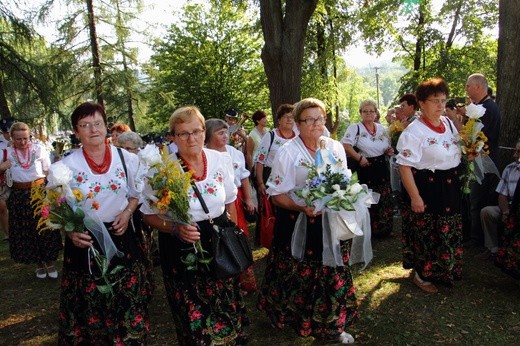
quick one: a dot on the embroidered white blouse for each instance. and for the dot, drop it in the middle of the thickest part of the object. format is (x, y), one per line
(422, 148)
(218, 189)
(105, 194)
(368, 145)
(290, 167)
(39, 163)
(239, 164)
(264, 155)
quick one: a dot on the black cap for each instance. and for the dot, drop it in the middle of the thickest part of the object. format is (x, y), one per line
(5, 124)
(232, 113)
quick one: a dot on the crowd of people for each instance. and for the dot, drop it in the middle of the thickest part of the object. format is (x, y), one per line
(232, 172)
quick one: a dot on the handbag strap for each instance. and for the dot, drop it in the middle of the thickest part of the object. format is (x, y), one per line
(198, 194)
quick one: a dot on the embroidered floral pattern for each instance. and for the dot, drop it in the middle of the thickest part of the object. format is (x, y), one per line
(210, 189)
(276, 180)
(80, 178)
(406, 153)
(302, 162)
(431, 141)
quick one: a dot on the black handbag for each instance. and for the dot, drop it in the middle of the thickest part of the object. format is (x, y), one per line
(231, 251)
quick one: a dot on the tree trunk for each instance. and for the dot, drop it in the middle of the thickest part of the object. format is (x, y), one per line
(508, 76)
(126, 70)
(5, 112)
(95, 53)
(419, 44)
(282, 54)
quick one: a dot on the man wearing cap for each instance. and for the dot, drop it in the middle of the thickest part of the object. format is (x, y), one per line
(235, 132)
(5, 164)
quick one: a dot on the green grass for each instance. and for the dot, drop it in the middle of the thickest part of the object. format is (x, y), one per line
(482, 309)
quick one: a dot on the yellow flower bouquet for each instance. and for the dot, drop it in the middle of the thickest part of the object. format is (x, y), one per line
(57, 207)
(167, 193)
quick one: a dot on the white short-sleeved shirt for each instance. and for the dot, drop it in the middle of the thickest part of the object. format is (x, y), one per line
(422, 148)
(264, 155)
(291, 166)
(239, 164)
(108, 192)
(218, 189)
(368, 145)
(40, 162)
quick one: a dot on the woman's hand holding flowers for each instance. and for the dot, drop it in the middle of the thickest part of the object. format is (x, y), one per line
(80, 239)
(187, 233)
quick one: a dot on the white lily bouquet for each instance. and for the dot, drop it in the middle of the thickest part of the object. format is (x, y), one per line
(342, 200)
(473, 144)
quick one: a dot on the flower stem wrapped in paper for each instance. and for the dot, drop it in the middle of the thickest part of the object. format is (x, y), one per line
(59, 207)
(337, 194)
(474, 149)
(167, 192)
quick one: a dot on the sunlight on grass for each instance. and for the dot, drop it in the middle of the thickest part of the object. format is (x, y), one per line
(379, 282)
(14, 319)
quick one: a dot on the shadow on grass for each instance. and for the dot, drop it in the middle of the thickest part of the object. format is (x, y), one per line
(481, 309)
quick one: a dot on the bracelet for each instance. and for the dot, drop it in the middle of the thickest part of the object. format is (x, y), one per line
(360, 158)
(174, 229)
(129, 210)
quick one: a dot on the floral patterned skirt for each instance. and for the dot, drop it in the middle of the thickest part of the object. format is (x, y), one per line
(508, 256)
(315, 300)
(432, 241)
(26, 244)
(377, 178)
(206, 311)
(90, 317)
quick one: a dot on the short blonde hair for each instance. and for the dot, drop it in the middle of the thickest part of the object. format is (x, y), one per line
(185, 114)
(368, 103)
(304, 104)
(19, 126)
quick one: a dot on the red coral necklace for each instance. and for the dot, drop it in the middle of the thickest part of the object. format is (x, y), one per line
(372, 133)
(105, 164)
(282, 135)
(26, 153)
(439, 128)
(204, 163)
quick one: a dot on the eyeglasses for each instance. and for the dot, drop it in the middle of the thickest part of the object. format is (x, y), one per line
(95, 125)
(185, 135)
(313, 121)
(287, 117)
(368, 111)
(437, 101)
(223, 132)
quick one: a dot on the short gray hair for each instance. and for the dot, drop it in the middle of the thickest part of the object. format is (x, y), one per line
(213, 125)
(131, 137)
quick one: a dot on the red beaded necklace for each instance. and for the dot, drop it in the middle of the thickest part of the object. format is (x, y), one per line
(104, 166)
(372, 133)
(313, 150)
(439, 128)
(204, 163)
(281, 134)
(26, 153)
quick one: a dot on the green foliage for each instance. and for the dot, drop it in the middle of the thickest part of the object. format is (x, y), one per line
(450, 41)
(210, 59)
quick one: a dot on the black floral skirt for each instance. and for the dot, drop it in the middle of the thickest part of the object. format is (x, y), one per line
(89, 317)
(315, 300)
(508, 255)
(26, 244)
(205, 311)
(377, 177)
(432, 241)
